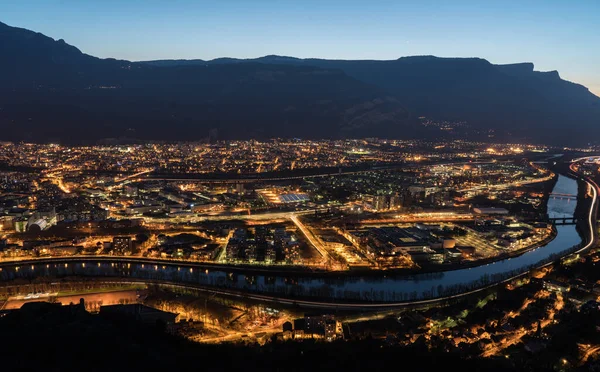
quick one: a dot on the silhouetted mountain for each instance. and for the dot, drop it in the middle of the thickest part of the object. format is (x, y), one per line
(513, 98)
(51, 91)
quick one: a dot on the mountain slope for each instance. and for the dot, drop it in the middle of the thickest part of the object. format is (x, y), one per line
(51, 91)
(513, 99)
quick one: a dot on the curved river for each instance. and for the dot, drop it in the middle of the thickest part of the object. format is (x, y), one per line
(350, 289)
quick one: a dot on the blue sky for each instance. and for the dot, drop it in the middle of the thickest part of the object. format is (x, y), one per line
(555, 35)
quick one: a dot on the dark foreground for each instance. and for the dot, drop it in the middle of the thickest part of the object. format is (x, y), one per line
(49, 337)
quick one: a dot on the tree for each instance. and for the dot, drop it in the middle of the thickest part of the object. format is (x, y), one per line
(142, 238)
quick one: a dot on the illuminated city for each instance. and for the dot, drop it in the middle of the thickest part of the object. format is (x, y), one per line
(340, 205)
(280, 186)
(346, 207)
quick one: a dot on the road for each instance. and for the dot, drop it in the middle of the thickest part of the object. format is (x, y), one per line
(586, 352)
(517, 335)
(593, 213)
(513, 184)
(269, 216)
(435, 217)
(223, 249)
(314, 241)
(132, 176)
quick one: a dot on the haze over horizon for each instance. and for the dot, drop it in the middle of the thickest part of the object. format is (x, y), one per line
(553, 35)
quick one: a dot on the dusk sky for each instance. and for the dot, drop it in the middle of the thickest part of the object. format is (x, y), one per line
(555, 35)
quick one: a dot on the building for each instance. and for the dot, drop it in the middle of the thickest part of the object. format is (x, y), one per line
(395, 202)
(422, 191)
(453, 253)
(123, 244)
(467, 251)
(37, 225)
(21, 225)
(394, 240)
(323, 325)
(420, 257)
(490, 211)
(239, 188)
(270, 252)
(556, 286)
(542, 227)
(449, 243)
(333, 329)
(293, 198)
(314, 326)
(130, 190)
(143, 208)
(381, 202)
(7, 222)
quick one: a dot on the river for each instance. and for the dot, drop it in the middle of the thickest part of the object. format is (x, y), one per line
(369, 288)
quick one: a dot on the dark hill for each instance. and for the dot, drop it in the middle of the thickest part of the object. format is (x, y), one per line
(44, 337)
(51, 91)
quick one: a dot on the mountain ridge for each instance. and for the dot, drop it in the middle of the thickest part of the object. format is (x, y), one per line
(53, 91)
(511, 97)
(514, 68)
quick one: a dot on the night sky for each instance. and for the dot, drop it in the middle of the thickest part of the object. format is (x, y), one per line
(555, 35)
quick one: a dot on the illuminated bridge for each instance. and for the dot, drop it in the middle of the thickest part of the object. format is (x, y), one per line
(556, 195)
(559, 221)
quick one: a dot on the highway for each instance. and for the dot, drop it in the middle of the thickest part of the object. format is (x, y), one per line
(509, 185)
(592, 216)
(133, 176)
(513, 184)
(587, 351)
(227, 217)
(431, 217)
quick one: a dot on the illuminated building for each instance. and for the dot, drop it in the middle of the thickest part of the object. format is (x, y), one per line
(123, 244)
